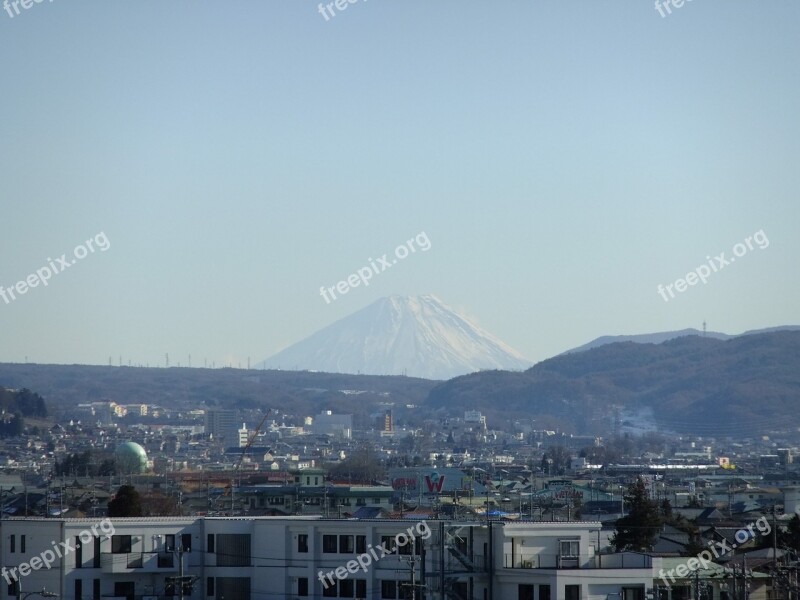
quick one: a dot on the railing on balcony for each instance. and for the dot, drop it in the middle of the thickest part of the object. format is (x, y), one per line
(148, 562)
(623, 560)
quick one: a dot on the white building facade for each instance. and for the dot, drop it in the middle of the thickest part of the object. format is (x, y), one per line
(264, 558)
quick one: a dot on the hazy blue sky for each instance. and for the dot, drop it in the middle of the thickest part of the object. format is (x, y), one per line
(564, 158)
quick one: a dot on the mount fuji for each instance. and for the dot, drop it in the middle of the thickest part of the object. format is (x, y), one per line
(419, 336)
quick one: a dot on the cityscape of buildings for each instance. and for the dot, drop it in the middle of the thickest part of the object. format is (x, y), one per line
(237, 506)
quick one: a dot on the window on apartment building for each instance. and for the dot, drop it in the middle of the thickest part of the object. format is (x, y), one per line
(572, 592)
(186, 542)
(12, 543)
(209, 586)
(302, 542)
(78, 552)
(376, 500)
(388, 589)
(361, 544)
(346, 544)
(166, 560)
(361, 588)
(684, 592)
(22, 543)
(525, 591)
(332, 591)
(233, 550)
(13, 588)
(121, 544)
(233, 587)
(302, 586)
(329, 544)
(460, 588)
(210, 543)
(125, 589)
(633, 593)
(361, 501)
(570, 548)
(169, 542)
(78, 589)
(96, 589)
(347, 588)
(96, 556)
(407, 548)
(544, 592)
(387, 541)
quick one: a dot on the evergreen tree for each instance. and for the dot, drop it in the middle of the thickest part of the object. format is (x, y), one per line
(362, 465)
(695, 544)
(666, 509)
(127, 503)
(638, 529)
(789, 537)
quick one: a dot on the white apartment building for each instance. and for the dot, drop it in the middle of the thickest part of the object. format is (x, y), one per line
(264, 558)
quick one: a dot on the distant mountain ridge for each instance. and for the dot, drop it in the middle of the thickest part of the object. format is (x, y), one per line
(419, 336)
(745, 386)
(663, 336)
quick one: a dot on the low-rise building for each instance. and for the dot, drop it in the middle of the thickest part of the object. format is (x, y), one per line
(244, 558)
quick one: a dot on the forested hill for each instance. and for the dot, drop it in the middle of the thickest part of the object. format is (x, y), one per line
(691, 384)
(24, 401)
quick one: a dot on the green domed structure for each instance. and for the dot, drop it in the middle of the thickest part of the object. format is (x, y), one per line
(130, 458)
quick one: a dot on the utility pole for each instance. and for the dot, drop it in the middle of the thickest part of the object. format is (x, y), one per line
(412, 562)
(744, 573)
(182, 580)
(180, 567)
(774, 549)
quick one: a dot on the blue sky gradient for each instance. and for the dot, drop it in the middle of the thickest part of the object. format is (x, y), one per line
(564, 158)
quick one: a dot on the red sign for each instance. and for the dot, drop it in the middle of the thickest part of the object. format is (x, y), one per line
(435, 482)
(404, 483)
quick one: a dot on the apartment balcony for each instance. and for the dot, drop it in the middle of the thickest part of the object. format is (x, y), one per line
(139, 562)
(622, 560)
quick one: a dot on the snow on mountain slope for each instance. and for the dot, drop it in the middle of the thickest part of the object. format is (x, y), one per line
(417, 336)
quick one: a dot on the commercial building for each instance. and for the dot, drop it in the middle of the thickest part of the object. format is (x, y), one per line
(327, 423)
(222, 424)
